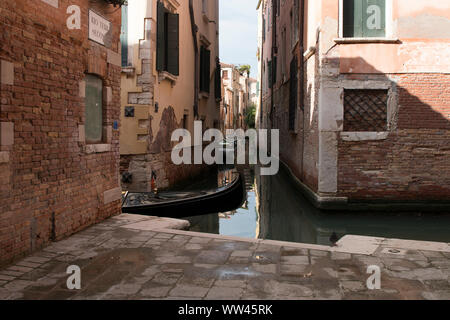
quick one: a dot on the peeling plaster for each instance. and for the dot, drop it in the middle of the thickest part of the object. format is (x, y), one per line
(431, 27)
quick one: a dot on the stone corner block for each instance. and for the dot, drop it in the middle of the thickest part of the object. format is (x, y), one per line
(4, 157)
(82, 89)
(6, 133)
(107, 95)
(98, 148)
(108, 133)
(7, 72)
(112, 195)
(114, 58)
(81, 133)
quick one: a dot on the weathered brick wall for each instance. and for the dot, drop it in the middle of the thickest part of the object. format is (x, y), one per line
(53, 184)
(414, 161)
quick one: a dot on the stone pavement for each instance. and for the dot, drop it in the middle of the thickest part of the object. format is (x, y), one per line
(136, 257)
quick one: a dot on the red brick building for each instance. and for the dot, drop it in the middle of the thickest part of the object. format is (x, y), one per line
(360, 91)
(60, 105)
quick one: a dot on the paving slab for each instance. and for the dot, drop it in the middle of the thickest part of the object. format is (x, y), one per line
(137, 257)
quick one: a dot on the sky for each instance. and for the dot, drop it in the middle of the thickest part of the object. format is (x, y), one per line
(238, 33)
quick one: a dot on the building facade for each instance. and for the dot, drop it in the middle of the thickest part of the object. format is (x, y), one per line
(235, 97)
(59, 120)
(359, 90)
(253, 91)
(170, 78)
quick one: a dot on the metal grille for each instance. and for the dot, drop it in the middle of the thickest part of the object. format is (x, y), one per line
(365, 110)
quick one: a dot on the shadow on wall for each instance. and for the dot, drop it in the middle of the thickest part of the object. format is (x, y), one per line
(411, 162)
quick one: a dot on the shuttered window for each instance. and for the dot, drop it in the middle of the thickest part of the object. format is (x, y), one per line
(167, 41)
(293, 85)
(205, 69)
(364, 18)
(124, 36)
(269, 73)
(218, 81)
(264, 30)
(94, 109)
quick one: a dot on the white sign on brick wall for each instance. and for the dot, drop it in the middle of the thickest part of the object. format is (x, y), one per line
(53, 3)
(99, 28)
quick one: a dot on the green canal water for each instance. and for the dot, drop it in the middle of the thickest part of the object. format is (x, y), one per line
(276, 210)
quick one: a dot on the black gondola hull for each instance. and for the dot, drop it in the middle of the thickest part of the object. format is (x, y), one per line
(225, 199)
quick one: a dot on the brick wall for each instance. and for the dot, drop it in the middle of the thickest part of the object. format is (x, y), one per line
(53, 183)
(414, 161)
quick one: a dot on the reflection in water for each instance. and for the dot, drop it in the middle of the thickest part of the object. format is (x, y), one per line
(276, 210)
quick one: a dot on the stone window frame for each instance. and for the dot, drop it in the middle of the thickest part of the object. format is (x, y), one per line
(171, 6)
(392, 109)
(6, 140)
(106, 144)
(388, 38)
(7, 70)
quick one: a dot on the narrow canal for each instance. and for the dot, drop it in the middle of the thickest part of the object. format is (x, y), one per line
(275, 209)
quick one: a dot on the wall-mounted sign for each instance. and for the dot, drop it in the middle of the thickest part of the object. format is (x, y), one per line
(99, 29)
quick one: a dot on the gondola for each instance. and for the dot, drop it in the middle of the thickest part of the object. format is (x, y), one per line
(186, 204)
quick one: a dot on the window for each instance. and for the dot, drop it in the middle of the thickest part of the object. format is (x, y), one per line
(264, 30)
(167, 42)
(225, 74)
(185, 121)
(365, 110)
(293, 85)
(205, 69)
(364, 18)
(94, 109)
(205, 6)
(283, 54)
(269, 73)
(295, 24)
(218, 81)
(124, 36)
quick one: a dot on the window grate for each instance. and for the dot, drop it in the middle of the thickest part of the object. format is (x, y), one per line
(365, 110)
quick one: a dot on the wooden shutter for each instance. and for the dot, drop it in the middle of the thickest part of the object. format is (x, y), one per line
(274, 70)
(173, 43)
(94, 109)
(124, 36)
(205, 69)
(202, 68)
(218, 81)
(264, 30)
(161, 38)
(353, 18)
(293, 85)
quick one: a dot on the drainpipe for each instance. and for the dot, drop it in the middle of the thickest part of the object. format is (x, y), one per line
(261, 63)
(274, 48)
(302, 80)
(194, 29)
